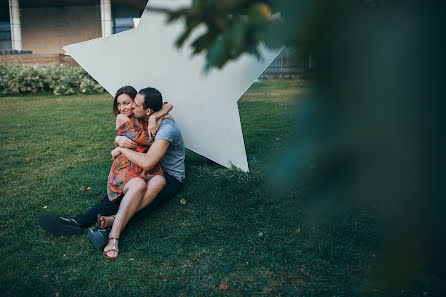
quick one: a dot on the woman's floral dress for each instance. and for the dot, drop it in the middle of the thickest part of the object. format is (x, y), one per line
(123, 170)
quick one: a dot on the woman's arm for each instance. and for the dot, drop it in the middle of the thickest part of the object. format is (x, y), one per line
(121, 119)
(123, 141)
(168, 116)
(156, 118)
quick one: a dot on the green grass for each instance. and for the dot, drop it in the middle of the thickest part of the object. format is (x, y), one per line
(235, 229)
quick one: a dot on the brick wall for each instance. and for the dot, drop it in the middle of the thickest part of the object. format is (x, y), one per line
(48, 29)
(38, 59)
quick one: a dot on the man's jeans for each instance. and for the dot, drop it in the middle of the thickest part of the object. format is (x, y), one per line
(106, 207)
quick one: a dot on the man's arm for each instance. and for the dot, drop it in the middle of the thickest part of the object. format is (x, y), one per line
(145, 160)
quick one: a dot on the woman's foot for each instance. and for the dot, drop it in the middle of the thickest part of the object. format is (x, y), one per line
(111, 250)
(105, 221)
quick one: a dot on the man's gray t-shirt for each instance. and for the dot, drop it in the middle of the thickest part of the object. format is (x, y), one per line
(173, 160)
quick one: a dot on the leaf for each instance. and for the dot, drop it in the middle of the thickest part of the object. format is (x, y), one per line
(182, 38)
(216, 54)
(265, 10)
(202, 42)
(223, 287)
(260, 234)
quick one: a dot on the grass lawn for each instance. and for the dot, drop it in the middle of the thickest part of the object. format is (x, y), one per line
(235, 236)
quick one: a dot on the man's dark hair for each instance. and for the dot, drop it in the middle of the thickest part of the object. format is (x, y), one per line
(152, 99)
(129, 90)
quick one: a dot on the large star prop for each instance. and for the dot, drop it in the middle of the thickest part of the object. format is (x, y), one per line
(205, 104)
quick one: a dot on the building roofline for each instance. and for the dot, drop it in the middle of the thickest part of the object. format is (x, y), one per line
(139, 4)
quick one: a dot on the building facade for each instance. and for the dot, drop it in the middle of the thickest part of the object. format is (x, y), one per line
(45, 26)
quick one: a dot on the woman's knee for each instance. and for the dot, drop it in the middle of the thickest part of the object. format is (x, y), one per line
(136, 184)
(141, 186)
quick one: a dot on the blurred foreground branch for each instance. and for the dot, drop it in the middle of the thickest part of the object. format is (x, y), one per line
(374, 122)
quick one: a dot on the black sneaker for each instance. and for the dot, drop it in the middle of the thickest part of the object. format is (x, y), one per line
(58, 225)
(98, 237)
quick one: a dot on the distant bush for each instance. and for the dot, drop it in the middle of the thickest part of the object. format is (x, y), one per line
(57, 79)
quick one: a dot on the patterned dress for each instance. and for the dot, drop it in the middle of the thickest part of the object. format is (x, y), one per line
(123, 170)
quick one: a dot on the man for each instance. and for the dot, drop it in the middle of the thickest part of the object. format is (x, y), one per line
(167, 150)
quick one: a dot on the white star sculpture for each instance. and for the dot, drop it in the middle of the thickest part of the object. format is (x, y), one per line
(205, 104)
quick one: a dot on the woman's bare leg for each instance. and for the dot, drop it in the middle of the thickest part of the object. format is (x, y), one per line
(154, 186)
(134, 192)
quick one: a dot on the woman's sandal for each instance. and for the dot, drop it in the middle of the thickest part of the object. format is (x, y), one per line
(113, 249)
(105, 221)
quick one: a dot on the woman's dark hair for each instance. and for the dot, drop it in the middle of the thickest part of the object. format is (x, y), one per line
(128, 90)
(152, 99)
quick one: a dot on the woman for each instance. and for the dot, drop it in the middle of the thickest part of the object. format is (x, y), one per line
(126, 178)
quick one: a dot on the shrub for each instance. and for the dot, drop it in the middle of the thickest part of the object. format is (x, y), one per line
(57, 79)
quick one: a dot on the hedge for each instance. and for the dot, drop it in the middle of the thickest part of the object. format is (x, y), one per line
(18, 79)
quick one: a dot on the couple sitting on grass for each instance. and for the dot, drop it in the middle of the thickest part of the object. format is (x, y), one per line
(146, 171)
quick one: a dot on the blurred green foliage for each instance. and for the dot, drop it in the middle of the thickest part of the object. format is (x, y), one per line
(373, 124)
(17, 79)
(237, 27)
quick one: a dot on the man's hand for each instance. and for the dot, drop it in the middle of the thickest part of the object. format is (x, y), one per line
(115, 153)
(123, 141)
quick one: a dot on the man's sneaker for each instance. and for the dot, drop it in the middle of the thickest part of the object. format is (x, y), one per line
(59, 225)
(98, 237)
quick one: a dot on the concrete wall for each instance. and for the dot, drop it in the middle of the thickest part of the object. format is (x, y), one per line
(48, 29)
